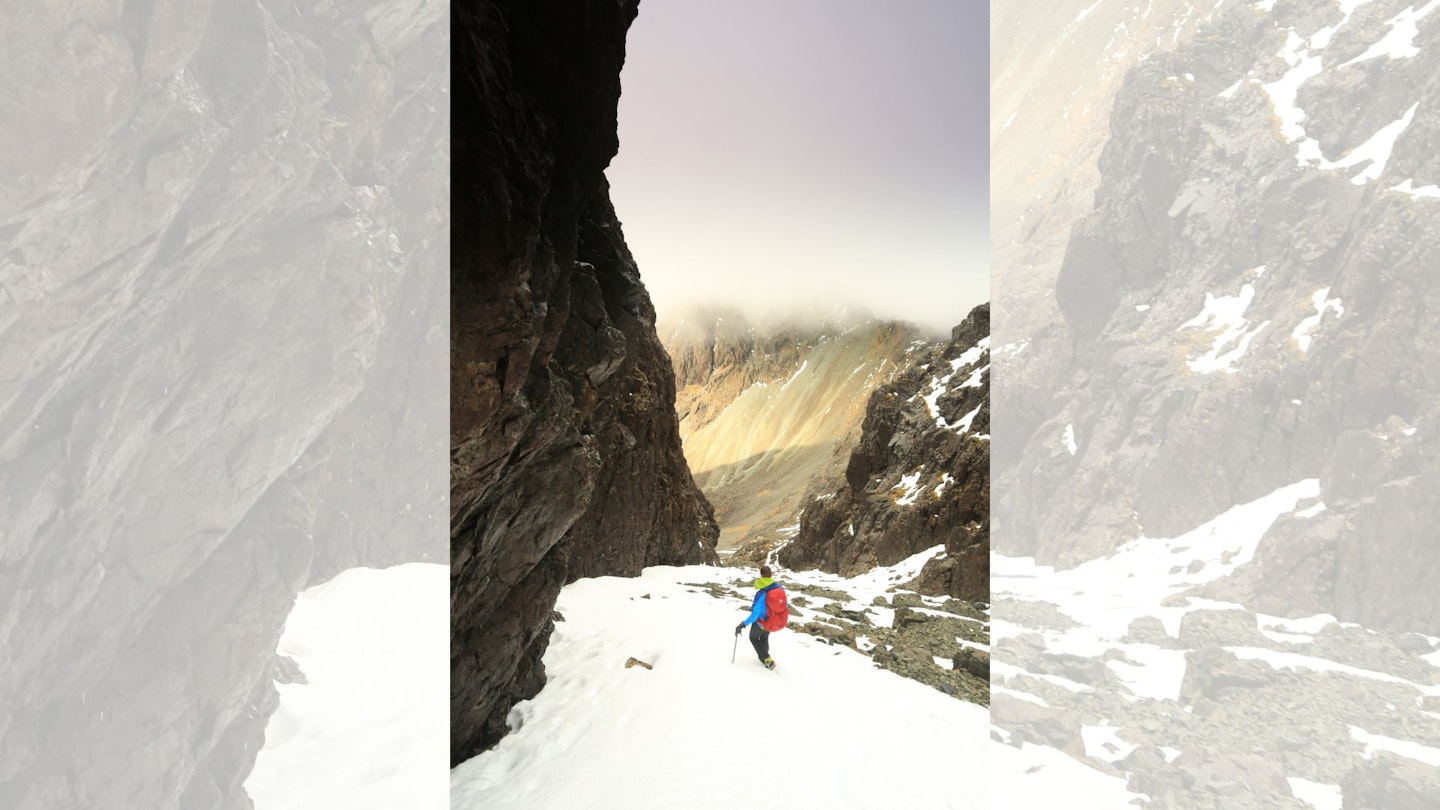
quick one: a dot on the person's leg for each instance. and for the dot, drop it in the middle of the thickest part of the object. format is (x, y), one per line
(760, 640)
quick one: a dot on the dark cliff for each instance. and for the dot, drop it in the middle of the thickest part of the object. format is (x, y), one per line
(565, 450)
(223, 230)
(1323, 365)
(919, 477)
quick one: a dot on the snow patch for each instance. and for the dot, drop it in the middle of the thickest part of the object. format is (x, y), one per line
(1105, 595)
(1405, 748)
(940, 385)
(1157, 673)
(1086, 12)
(1306, 328)
(796, 375)
(963, 426)
(370, 729)
(945, 480)
(1032, 775)
(1316, 794)
(577, 740)
(1297, 662)
(911, 484)
(1226, 316)
(1104, 743)
(1017, 694)
(1284, 91)
(1409, 187)
(1399, 41)
(1376, 150)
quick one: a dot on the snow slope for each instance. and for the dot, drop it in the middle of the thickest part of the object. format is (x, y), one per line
(826, 729)
(1135, 698)
(371, 727)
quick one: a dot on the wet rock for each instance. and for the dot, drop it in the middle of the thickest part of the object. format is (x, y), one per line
(1041, 725)
(1037, 614)
(1414, 643)
(1391, 782)
(1147, 630)
(287, 671)
(835, 610)
(1211, 673)
(821, 592)
(1220, 628)
(905, 617)
(831, 633)
(975, 662)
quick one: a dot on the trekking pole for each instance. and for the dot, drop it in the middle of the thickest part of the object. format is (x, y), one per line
(734, 648)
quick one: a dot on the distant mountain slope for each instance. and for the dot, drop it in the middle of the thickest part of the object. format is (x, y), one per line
(769, 413)
(920, 475)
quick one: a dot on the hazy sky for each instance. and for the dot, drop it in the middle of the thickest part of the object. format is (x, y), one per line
(789, 152)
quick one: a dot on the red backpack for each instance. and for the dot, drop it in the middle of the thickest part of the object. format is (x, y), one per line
(777, 611)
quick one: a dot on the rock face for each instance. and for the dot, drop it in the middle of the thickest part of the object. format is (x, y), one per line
(220, 296)
(1047, 133)
(1229, 323)
(1240, 315)
(1391, 782)
(565, 452)
(919, 477)
(769, 412)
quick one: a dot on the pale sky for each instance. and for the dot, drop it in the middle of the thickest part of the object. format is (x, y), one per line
(778, 153)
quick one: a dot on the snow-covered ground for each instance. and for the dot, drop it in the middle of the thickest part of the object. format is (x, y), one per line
(826, 729)
(1085, 614)
(371, 727)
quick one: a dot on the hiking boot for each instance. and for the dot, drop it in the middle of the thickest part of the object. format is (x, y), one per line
(769, 663)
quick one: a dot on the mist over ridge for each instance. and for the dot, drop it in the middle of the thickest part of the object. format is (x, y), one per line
(815, 315)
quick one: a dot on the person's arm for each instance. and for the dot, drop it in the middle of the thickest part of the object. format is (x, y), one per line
(757, 611)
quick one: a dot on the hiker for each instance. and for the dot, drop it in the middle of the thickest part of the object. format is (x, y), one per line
(769, 613)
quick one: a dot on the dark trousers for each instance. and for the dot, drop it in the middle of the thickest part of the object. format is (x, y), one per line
(760, 640)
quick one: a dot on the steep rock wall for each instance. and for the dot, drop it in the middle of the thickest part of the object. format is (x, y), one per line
(565, 458)
(219, 300)
(1324, 367)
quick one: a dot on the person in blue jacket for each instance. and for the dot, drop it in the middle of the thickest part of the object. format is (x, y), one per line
(769, 613)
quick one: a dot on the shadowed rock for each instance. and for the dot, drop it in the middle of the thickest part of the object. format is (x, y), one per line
(565, 452)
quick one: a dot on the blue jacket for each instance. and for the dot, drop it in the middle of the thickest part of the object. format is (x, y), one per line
(757, 611)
